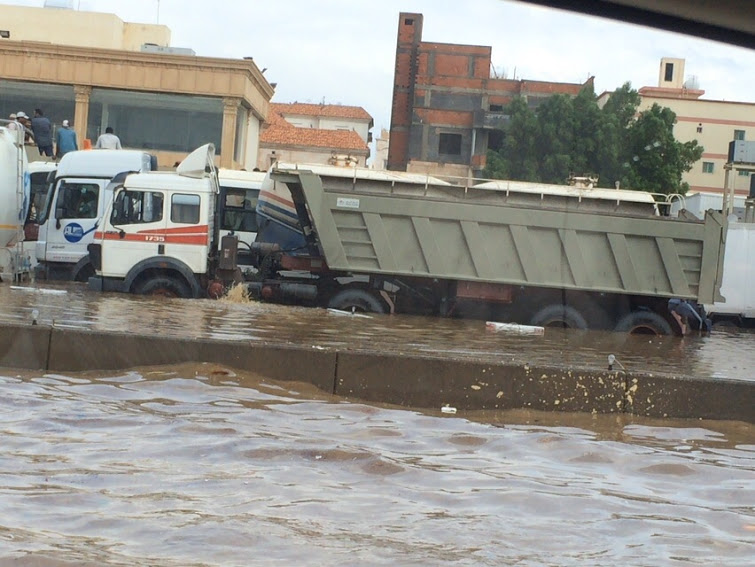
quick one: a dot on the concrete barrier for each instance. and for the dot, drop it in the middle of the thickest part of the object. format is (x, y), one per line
(75, 350)
(24, 346)
(407, 380)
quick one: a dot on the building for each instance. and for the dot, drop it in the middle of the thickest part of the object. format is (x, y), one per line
(315, 133)
(713, 123)
(446, 104)
(382, 143)
(96, 71)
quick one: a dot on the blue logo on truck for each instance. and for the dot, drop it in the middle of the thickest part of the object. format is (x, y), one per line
(74, 232)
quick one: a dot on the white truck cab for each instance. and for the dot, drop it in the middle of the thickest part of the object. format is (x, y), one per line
(74, 206)
(157, 234)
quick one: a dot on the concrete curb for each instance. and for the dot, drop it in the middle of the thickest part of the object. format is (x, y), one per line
(407, 380)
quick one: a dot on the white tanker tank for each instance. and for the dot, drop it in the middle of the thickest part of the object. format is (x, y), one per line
(14, 187)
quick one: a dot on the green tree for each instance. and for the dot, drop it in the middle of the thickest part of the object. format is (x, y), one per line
(574, 135)
(555, 139)
(655, 160)
(612, 143)
(517, 157)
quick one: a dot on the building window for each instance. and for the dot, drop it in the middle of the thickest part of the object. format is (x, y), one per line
(58, 102)
(707, 167)
(700, 128)
(496, 108)
(178, 123)
(743, 173)
(739, 134)
(669, 72)
(450, 144)
(409, 22)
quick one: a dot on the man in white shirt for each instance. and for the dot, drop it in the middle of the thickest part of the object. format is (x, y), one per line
(108, 141)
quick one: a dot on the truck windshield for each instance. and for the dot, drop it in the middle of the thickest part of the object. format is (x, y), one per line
(44, 198)
(78, 200)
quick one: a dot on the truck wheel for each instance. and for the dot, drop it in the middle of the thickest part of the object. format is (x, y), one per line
(356, 300)
(643, 323)
(164, 286)
(558, 315)
(86, 272)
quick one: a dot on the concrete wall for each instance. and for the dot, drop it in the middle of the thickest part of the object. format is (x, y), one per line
(302, 156)
(80, 28)
(413, 381)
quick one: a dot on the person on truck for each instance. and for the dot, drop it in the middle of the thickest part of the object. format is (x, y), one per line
(42, 129)
(65, 140)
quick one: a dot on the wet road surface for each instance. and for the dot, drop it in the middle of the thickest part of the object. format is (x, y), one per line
(196, 465)
(723, 354)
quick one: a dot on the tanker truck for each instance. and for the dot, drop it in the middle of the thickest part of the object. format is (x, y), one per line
(386, 242)
(14, 202)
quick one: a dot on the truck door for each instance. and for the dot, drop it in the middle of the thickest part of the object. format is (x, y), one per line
(135, 232)
(75, 214)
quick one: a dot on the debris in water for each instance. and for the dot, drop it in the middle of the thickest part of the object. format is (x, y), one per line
(514, 328)
(349, 313)
(447, 409)
(38, 290)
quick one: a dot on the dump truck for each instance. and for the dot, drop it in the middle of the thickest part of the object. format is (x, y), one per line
(386, 242)
(543, 255)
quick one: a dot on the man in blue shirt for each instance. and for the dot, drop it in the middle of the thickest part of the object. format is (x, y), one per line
(65, 140)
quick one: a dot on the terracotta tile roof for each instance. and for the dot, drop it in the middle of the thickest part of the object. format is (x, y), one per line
(326, 110)
(280, 133)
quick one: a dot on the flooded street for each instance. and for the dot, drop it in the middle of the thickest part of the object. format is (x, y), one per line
(724, 354)
(195, 464)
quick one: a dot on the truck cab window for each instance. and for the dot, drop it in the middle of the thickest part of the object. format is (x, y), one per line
(136, 207)
(78, 200)
(184, 209)
(239, 210)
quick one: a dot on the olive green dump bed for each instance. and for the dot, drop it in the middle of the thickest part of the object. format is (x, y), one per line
(453, 233)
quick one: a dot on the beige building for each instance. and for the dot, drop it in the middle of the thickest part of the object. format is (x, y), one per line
(97, 71)
(315, 133)
(382, 143)
(713, 123)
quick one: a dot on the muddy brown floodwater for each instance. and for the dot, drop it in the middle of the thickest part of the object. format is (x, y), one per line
(197, 464)
(723, 354)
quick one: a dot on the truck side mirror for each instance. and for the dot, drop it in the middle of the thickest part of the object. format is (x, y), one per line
(58, 216)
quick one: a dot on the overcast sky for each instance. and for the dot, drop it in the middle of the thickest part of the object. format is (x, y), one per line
(343, 51)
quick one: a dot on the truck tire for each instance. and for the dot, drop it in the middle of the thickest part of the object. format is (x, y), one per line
(85, 272)
(643, 323)
(559, 315)
(164, 286)
(357, 300)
